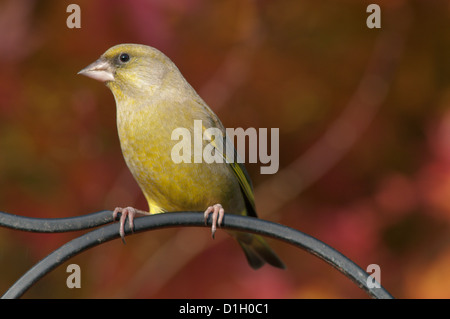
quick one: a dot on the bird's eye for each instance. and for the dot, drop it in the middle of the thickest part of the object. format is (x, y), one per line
(124, 57)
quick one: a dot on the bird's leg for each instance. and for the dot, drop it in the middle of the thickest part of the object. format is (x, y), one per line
(129, 212)
(217, 216)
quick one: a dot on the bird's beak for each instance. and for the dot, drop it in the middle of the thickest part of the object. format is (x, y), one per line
(100, 70)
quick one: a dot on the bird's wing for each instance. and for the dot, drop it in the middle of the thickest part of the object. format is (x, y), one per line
(246, 186)
(231, 157)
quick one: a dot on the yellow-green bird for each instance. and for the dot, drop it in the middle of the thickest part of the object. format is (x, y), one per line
(153, 99)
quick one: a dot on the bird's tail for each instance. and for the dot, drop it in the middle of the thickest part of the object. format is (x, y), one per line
(258, 251)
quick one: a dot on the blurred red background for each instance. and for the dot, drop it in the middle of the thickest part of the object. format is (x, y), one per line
(364, 119)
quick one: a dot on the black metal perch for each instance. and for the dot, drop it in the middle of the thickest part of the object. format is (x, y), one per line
(178, 219)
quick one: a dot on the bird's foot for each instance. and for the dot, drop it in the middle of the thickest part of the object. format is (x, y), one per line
(217, 216)
(129, 212)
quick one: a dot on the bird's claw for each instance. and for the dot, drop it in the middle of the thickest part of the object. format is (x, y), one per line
(129, 212)
(217, 216)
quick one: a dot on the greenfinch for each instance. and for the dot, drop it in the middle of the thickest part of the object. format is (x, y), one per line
(152, 100)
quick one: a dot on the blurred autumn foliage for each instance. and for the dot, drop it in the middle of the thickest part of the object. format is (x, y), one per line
(364, 119)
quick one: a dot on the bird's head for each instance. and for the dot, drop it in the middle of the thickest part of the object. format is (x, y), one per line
(131, 69)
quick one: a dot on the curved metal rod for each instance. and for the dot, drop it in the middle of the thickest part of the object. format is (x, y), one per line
(55, 225)
(181, 219)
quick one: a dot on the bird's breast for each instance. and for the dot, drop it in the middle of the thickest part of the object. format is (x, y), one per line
(145, 138)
